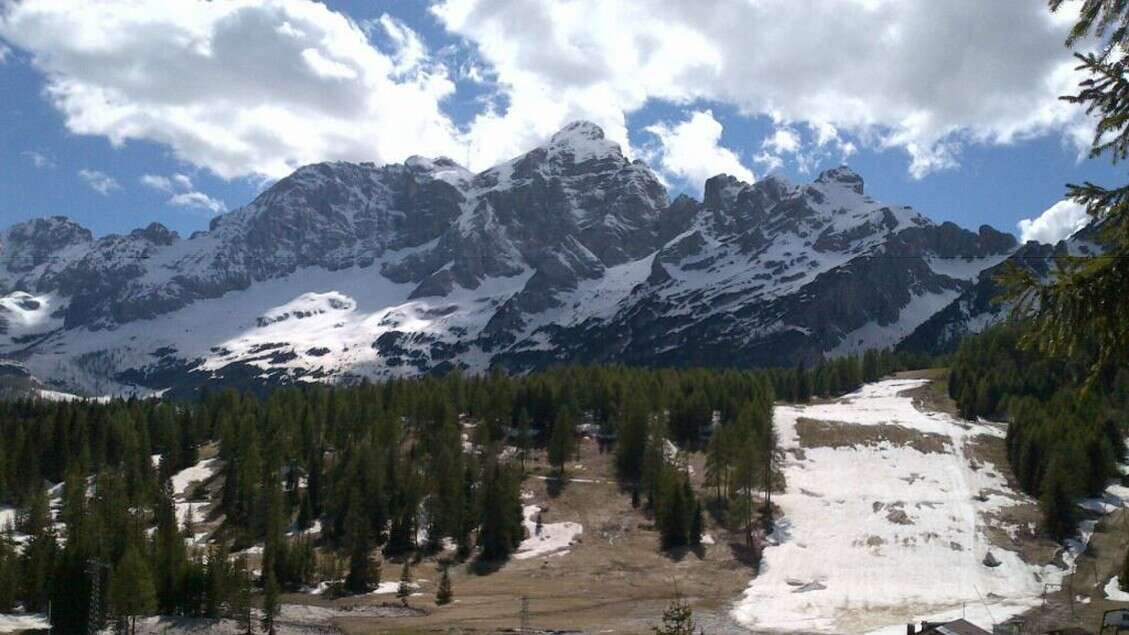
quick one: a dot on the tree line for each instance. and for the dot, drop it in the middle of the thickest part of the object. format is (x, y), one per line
(1064, 434)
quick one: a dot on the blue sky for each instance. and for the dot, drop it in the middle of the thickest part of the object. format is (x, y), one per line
(942, 110)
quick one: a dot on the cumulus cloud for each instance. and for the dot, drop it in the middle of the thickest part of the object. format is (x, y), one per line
(99, 181)
(690, 150)
(40, 160)
(246, 87)
(258, 87)
(182, 193)
(197, 200)
(166, 183)
(1060, 221)
(924, 77)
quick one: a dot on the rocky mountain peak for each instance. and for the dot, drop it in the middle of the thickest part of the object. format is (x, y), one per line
(582, 141)
(842, 175)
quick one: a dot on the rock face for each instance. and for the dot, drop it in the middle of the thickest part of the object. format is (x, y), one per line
(570, 252)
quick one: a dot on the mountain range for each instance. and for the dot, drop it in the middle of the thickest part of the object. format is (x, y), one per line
(570, 252)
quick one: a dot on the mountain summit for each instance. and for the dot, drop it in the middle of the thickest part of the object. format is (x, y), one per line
(569, 252)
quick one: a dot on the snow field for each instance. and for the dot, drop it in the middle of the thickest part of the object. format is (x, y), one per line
(880, 535)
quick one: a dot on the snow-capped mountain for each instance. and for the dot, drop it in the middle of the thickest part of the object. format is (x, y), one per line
(570, 252)
(979, 306)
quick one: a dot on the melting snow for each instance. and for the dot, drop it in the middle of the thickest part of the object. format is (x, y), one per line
(553, 536)
(200, 472)
(841, 564)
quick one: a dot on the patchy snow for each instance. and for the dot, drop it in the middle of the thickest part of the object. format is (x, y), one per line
(15, 623)
(874, 335)
(552, 537)
(390, 586)
(875, 536)
(198, 473)
(967, 269)
(1113, 591)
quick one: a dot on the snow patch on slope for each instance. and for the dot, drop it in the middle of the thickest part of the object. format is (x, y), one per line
(874, 570)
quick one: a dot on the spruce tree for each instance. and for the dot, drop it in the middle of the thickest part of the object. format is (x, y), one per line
(678, 619)
(360, 576)
(562, 440)
(271, 605)
(444, 594)
(239, 604)
(695, 537)
(404, 590)
(131, 590)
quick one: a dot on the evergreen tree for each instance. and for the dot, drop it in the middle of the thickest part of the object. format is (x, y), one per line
(632, 439)
(239, 605)
(444, 594)
(1082, 307)
(271, 603)
(1058, 506)
(9, 565)
(360, 577)
(131, 590)
(562, 440)
(500, 527)
(695, 536)
(678, 619)
(404, 590)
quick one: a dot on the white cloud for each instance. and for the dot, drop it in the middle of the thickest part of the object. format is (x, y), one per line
(39, 160)
(1060, 221)
(197, 200)
(782, 141)
(925, 77)
(246, 87)
(156, 182)
(4, 53)
(182, 194)
(99, 181)
(689, 150)
(258, 87)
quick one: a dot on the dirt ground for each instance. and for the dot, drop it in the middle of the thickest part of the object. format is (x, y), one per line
(830, 434)
(613, 579)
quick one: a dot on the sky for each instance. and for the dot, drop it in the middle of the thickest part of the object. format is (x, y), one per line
(119, 114)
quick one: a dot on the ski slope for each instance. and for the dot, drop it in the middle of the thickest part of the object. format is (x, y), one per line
(877, 535)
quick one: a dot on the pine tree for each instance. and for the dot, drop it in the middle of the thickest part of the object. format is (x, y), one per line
(9, 564)
(500, 526)
(271, 603)
(360, 575)
(170, 557)
(562, 440)
(131, 590)
(444, 594)
(632, 439)
(239, 605)
(695, 537)
(678, 619)
(1058, 506)
(405, 588)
